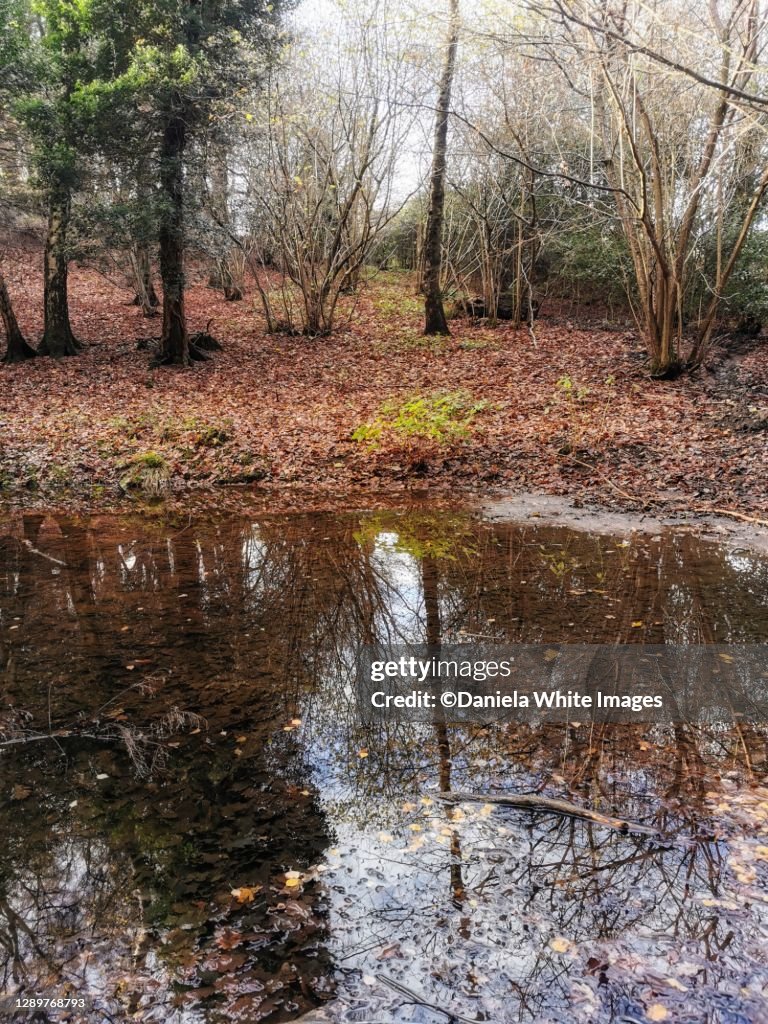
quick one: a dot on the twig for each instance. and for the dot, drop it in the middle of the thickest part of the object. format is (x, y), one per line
(534, 802)
(730, 512)
(35, 737)
(414, 997)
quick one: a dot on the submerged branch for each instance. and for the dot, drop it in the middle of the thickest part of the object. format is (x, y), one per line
(534, 802)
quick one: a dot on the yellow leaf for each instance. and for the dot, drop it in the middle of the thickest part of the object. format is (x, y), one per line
(292, 879)
(638, 625)
(385, 837)
(656, 1011)
(559, 944)
(486, 810)
(674, 983)
(362, 752)
(550, 655)
(245, 894)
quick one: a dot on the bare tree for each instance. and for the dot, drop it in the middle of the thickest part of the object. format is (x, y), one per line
(321, 166)
(673, 151)
(434, 313)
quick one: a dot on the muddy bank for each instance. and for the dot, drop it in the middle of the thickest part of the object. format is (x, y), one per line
(555, 510)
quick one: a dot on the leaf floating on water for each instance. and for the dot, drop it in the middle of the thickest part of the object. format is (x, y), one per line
(389, 952)
(674, 983)
(292, 879)
(657, 1011)
(245, 894)
(559, 944)
(550, 655)
(362, 752)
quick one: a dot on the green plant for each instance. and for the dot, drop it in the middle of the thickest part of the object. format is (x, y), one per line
(148, 472)
(440, 417)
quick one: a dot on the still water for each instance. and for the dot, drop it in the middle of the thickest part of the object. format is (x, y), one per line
(196, 827)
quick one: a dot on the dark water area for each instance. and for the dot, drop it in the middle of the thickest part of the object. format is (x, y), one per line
(197, 827)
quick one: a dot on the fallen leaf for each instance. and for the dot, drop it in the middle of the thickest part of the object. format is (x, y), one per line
(657, 1011)
(560, 944)
(245, 894)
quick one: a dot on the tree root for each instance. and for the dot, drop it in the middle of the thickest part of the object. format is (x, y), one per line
(551, 805)
(204, 341)
(59, 345)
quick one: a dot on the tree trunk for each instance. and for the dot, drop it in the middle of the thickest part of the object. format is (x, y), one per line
(174, 342)
(434, 314)
(226, 276)
(146, 296)
(58, 339)
(18, 350)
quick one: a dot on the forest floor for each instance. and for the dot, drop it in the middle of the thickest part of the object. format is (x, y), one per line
(569, 411)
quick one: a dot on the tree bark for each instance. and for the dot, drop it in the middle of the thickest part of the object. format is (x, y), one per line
(225, 276)
(58, 338)
(434, 314)
(17, 350)
(174, 342)
(146, 296)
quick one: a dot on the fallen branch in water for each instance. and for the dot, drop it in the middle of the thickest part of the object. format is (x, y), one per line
(36, 551)
(414, 997)
(534, 802)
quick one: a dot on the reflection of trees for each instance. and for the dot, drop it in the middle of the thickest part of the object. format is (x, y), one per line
(250, 625)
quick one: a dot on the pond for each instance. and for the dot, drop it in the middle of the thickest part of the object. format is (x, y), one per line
(198, 827)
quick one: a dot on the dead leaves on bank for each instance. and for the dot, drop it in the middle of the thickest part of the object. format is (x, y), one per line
(282, 411)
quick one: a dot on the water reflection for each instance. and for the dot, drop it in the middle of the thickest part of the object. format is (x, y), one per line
(198, 828)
